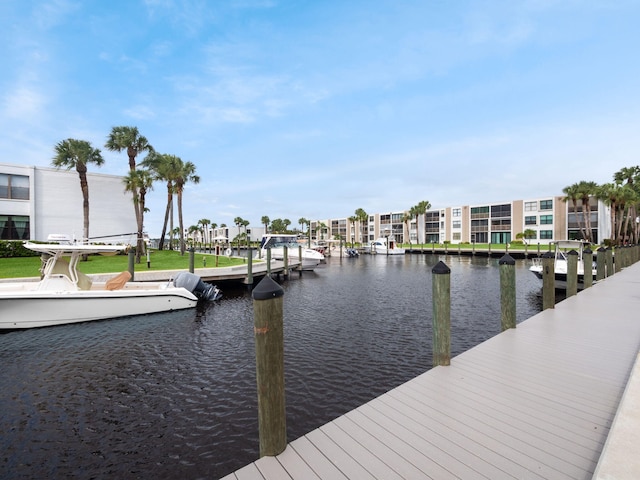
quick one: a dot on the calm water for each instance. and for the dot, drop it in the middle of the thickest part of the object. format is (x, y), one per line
(173, 395)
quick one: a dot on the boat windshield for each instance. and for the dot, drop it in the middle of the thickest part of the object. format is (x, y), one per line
(279, 241)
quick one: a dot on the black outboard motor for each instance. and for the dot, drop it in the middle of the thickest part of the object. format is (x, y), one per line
(193, 283)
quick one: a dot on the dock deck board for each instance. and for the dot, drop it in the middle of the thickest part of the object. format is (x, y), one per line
(535, 402)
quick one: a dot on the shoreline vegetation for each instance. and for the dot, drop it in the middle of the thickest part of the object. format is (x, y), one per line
(24, 267)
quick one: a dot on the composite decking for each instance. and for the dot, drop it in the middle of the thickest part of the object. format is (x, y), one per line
(535, 402)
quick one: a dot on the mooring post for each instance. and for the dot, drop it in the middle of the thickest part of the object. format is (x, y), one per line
(132, 259)
(300, 258)
(249, 267)
(269, 338)
(601, 263)
(587, 268)
(191, 259)
(608, 255)
(285, 258)
(572, 273)
(441, 294)
(507, 291)
(619, 256)
(548, 281)
(269, 261)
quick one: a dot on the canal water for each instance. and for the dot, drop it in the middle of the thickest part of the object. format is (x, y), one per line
(173, 395)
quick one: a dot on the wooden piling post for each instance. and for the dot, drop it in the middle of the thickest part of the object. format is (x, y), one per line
(548, 281)
(132, 258)
(587, 268)
(300, 258)
(608, 255)
(268, 261)
(250, 267)
(507, 291)
(191, 259)
(285, 258)
(269, 338)
(441, 299)
(601, 263)
(572, 273)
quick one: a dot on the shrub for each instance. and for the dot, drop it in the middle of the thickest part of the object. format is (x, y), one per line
(15, 248)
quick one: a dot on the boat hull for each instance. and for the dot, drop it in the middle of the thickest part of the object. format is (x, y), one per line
(310, 258)
(31, 309)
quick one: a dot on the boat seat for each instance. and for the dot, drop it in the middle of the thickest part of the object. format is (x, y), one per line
(117, 282)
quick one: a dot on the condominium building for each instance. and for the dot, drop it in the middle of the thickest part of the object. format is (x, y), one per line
(36, 202)
(540, 220)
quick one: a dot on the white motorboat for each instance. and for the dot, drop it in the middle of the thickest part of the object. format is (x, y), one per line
(66, 295)
(278, 242)
(386, 246)
(562, 247)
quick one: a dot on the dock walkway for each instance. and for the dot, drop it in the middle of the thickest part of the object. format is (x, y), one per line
(536, 402)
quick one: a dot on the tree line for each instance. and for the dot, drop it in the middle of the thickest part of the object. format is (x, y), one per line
(156, 166)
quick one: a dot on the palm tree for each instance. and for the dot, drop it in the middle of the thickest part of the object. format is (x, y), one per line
(352, 220)
(72, 153)
(585, 191)
(166, 168)
(362, 217)
(628, 175)
(129, 139)
(421, 209)
(205, 222)
(406, 218)
(572, 194)
(139, 181)
(265, 221)
(187, 174)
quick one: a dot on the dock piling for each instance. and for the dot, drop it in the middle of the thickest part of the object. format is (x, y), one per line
(441, 298)
(601, 263)
(507, 292)
(548, 281)
(572, 273)
(587, 267)
(268, 330)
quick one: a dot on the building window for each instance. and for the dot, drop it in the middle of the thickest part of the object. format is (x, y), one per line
(456, 236)
(546, 219)
(456, 212)
(530, 206)
(14, 227)
(546, 204)
(456, 224)
(546, 234)
(15, 187)
(530, 220)
(501, 210)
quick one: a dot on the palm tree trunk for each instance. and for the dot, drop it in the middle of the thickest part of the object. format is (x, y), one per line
(182, 246)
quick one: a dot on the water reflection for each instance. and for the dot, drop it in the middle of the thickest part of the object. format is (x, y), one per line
(173, 395)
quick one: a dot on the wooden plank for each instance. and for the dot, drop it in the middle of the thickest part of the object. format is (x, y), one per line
(321, 465)
(295, 465)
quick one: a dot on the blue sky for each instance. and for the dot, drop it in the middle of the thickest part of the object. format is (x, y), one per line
(317, 108)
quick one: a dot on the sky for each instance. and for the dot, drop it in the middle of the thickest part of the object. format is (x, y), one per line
(314, 109)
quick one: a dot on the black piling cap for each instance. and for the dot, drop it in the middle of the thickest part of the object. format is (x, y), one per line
(506, 260)
(267, 288)
(572, 252)
(587, 251)
(441, 268)
(548, 255)
(602, 249)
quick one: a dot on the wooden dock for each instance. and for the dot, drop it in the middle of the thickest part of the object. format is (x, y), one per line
(535, 402)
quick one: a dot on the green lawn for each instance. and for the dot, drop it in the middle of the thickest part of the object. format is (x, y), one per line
(160, 260)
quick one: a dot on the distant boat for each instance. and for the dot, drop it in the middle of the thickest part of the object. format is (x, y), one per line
(66, 295)
(386, 246)
(560, 263)
(278, 242)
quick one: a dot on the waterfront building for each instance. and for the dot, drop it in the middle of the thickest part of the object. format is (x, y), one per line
(36, 202)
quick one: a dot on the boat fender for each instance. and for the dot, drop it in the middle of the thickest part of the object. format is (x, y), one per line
(228, 252)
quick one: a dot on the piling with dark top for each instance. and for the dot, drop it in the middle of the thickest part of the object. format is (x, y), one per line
(587, 267)
(507, 291)
(285, 258)
(548, 281)
(250, 267)
(300, 258)
(608, 255)
(132, 259)
(192, 259)
(572, 273)
(600, 263)
(441, 298)
(268, 327)
(268, 261)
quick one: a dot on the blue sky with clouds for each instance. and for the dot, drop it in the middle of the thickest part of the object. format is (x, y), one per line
(316, 108)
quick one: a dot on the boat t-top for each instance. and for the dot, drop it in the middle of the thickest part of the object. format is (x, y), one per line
(278, 242)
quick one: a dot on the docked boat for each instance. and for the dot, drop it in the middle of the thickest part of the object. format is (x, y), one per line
(277, 243)
(562, 247)
(386, 246)
(65, 295)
